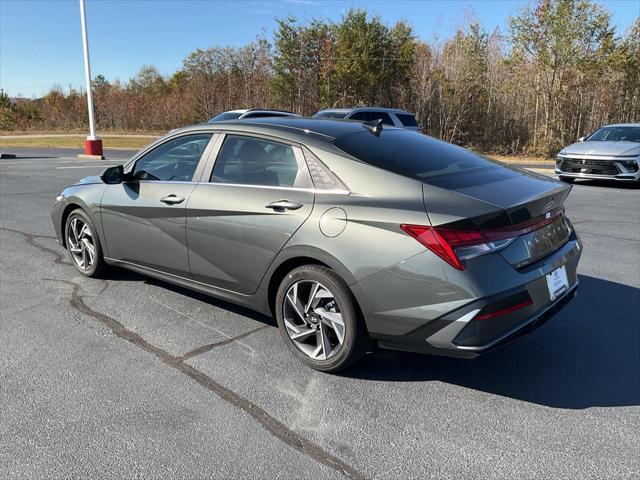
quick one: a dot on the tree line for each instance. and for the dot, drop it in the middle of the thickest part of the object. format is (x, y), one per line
(560, 71)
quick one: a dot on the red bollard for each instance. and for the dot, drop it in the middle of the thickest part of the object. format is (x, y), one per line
(93, 149)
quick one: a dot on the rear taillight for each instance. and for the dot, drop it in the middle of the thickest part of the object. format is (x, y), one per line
(454, 244)
(431, 238)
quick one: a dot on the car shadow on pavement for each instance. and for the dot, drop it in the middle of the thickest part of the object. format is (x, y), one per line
(609, 183)
(587, 356)
(119, 274)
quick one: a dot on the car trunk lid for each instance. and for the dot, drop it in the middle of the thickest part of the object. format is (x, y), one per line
(502, 203)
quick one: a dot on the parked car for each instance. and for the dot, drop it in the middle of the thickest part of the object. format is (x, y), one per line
(250, 113)
(350, 234)
(611, 152)
(389, 116)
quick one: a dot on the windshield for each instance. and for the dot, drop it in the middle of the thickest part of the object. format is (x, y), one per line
(615, 134)
(330, 114)
(225, 116)
(411, 154)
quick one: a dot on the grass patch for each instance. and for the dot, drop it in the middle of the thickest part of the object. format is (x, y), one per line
(519, 158)
(108, 141)
(136, 142)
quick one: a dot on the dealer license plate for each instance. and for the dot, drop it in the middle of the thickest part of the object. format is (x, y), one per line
(557, 282)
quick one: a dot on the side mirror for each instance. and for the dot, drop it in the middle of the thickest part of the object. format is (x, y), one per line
(113, 175)
(581, 139)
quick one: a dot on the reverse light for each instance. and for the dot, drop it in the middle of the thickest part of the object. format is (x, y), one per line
(454, 245)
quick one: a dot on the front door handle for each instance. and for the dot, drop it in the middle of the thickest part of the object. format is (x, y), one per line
(284, 205)
(172, 199)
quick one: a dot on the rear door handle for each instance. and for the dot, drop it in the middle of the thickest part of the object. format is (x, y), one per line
(284, 205)
(172, 199)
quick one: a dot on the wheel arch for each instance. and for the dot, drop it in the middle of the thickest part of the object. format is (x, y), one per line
(74, 203)
(281, 271)
(296, 257)
(70, 207)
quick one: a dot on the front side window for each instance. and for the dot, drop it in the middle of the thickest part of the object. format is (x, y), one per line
(368, 116)
(255, 161)
(615, 134)
(173, 161)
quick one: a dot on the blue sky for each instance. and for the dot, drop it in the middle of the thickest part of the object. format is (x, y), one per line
(40, 41)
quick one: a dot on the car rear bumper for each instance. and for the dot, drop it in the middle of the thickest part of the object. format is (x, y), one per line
(451, 328)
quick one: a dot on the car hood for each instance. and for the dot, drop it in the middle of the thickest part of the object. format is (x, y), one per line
(93, 179)
(602, 148)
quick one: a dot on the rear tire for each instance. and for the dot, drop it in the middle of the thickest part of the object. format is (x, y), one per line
(83, 244)
(319, 319)
(566, 179)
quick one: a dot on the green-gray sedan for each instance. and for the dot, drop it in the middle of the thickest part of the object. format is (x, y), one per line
(351, 235)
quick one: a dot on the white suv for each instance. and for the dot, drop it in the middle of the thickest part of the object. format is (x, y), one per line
(250, 113)
(389, 116)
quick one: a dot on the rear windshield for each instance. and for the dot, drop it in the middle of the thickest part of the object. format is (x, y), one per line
(330, 115)
(266, 114)
(407, 119)
(225, 116)
(411, 154)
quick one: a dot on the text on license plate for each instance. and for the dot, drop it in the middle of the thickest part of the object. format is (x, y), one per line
(557, 282)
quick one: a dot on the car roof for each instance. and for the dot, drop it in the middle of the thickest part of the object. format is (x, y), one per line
(622, 125)
(296, 129)
(247, 110)
(267, 110)
(365, 109)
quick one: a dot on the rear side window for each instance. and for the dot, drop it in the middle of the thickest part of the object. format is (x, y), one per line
(407, 119)
(254, 161)
(368, 116)
(411, 154)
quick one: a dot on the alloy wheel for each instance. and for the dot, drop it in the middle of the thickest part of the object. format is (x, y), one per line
(81, 245)
(313, 320)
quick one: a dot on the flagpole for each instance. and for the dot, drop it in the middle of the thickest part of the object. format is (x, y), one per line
(92, 145)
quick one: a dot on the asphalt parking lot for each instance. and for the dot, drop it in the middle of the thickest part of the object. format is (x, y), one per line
(132, 377)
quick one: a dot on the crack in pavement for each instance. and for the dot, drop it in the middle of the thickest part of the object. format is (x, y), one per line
(613, 237)
(211, 346)
(31, 238)
(267, 421)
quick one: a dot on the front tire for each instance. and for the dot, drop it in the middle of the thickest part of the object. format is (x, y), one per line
(319, 319)
(566, 179)
(83, 244)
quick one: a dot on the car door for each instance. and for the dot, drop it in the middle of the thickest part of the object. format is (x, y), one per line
(143, 218)
(257, 196)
